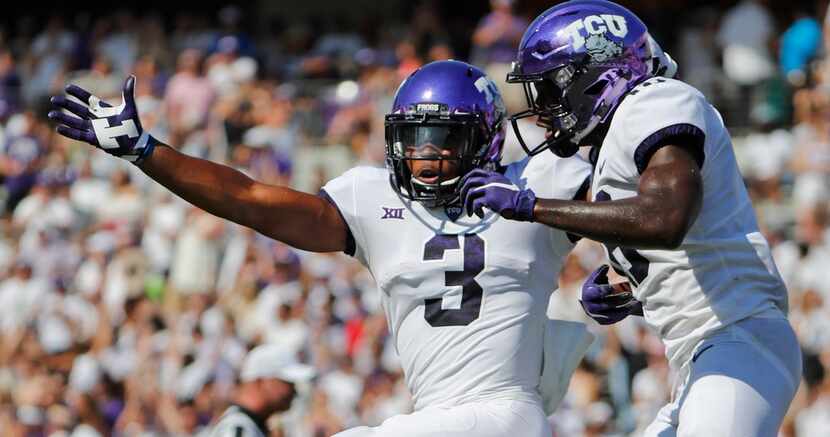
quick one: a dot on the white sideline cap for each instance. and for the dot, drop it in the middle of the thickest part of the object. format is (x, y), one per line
(274, 361)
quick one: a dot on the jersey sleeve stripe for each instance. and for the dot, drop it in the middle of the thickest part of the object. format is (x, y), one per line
(351, 247)
(685, 135)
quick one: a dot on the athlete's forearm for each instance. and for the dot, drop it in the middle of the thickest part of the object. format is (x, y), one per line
(669, 197)
(215, 188)
(278, 212)
(627, 223)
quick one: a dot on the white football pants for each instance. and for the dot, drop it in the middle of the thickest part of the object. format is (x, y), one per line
(739, 383)
(503, 418)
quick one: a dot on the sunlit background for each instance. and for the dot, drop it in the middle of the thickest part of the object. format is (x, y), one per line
(126, 312)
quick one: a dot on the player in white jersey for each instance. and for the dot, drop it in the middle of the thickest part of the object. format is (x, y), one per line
(670, 206)
(465, 298)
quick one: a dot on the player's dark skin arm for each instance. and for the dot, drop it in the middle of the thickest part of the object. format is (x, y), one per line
(301, 220)
(665, 207)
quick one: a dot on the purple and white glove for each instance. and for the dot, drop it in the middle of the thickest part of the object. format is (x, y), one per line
(607, 303)
(114, 129)
(489, 189)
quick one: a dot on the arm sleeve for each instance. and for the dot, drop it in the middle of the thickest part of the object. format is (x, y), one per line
(342, 193)
(657, 113)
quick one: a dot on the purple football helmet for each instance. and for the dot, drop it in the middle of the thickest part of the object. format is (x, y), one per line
(577, 61)
(444, 111)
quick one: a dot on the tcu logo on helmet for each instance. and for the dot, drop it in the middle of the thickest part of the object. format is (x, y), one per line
(595, 25)
(487, 87)
(491, 92)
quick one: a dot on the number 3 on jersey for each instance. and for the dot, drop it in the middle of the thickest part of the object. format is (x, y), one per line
(471, 291)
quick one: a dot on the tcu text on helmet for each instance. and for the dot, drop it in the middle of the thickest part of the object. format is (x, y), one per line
(486, 86)
(595, 25)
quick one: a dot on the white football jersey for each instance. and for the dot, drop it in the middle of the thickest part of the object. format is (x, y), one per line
(723, 271)
(465, 299)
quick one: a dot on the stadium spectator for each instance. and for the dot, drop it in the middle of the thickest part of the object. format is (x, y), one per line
(268, 384)
(498, 34)
(189, 95)
(494, 45)
(799, 44)
(746, 34)
(124, 311)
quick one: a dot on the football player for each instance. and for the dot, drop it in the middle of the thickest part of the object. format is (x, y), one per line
(670, 206)
(465, 298)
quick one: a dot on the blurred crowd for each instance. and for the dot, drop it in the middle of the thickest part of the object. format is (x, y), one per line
(126, 312)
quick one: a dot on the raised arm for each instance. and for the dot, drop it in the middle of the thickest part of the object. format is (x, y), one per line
(302, 220)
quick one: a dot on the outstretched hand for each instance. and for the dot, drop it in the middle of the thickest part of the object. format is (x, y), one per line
(115, 129)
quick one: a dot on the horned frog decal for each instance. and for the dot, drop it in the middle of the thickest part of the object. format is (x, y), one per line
(601, 49)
